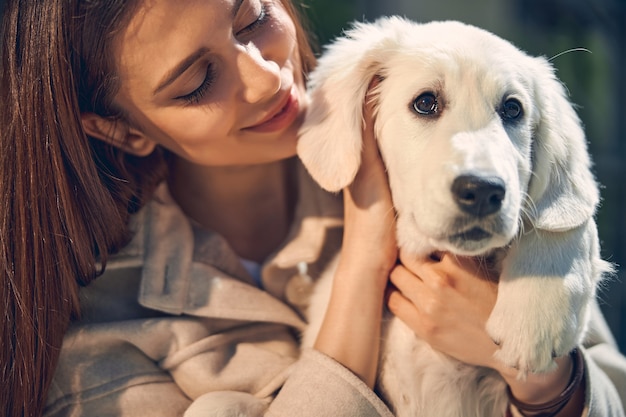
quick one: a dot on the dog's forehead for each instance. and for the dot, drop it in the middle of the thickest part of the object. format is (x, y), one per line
(471, 73)
(449, 52)
(451, 38)
(453, 46)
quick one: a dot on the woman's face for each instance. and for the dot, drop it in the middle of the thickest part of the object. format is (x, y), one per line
(217, 82)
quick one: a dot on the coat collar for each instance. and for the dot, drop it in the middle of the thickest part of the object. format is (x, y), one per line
(190, 270)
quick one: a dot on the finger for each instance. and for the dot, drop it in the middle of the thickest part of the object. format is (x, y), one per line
(410, 285)
(402, 307)
(465, 278)
(423, 267)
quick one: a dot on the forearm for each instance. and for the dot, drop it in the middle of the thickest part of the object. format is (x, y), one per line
(350, 332)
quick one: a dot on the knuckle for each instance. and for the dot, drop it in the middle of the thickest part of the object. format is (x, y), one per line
(429, 329)
(442, 282)
(432, 308)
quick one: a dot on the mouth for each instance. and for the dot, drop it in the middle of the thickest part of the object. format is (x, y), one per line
(471, 241)
(475, 234)
(281, 116)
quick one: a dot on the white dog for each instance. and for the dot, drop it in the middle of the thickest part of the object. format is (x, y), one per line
(483, 152)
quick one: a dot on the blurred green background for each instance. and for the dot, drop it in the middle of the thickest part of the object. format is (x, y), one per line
(595, 80)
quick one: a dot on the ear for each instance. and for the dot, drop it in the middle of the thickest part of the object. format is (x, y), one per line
(117, 133)
(563, 191)
(330, 140)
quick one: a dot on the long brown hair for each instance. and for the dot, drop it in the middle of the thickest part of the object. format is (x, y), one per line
(65, 198)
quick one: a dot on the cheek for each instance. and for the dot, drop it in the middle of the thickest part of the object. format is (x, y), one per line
(402, 149)
(187, 133)
(279, 41)
(521, 141)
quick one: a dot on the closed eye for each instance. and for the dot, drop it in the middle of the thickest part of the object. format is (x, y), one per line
(263, 16)
(198, 94)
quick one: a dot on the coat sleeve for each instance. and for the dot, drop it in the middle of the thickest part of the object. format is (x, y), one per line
(315, 386)
(605, 375)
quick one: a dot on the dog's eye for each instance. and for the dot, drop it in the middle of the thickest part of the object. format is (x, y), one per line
(511, 110)
(426, 104)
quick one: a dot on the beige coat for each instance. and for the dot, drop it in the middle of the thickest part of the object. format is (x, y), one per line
(177, 322)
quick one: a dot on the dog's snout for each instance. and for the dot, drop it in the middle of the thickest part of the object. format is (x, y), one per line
(478, 196)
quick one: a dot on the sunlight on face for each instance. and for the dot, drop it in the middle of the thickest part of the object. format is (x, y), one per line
(217, 82)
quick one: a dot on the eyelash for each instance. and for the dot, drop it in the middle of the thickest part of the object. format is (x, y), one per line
(260, 20)
(196, 95)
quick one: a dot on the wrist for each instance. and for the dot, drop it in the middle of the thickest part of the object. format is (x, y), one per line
(360, 285)
(536, 396)
(536, 388)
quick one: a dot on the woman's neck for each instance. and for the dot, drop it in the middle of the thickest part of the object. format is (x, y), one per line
(250, 206)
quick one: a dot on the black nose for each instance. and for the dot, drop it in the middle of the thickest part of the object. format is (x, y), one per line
(478, 196)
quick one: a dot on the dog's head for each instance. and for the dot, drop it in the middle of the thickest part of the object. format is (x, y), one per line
(478, 138)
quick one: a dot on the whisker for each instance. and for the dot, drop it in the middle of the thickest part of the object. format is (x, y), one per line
(568, 51)
(529, 209)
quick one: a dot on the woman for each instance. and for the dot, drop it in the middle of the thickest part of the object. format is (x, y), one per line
(151, 144)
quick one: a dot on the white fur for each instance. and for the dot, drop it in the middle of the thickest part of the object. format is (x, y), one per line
(545, 223)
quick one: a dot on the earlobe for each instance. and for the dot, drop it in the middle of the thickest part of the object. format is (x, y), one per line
(117, 133)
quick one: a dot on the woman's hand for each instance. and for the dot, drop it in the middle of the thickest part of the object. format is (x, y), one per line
(447, 300)
(350, 332)
(370, 228)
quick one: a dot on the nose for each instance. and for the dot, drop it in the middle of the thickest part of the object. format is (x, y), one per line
(260, 77)
(478, 196)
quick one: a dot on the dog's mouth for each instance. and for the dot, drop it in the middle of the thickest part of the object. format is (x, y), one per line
(471, 241)
(475, 240)
(463, 236)
(475, 234)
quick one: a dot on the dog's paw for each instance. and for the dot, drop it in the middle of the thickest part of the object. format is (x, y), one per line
(525, 354)
(532, 328)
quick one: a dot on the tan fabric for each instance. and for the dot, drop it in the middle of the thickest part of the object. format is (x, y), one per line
(176, 316)
(177, 325)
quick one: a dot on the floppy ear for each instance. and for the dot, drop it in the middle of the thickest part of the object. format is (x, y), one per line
(330, 140)
(563, 191)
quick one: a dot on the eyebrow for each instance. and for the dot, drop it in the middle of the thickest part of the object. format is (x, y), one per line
(184, 65)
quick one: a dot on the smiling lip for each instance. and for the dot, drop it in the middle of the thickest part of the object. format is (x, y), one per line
(281, 117)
